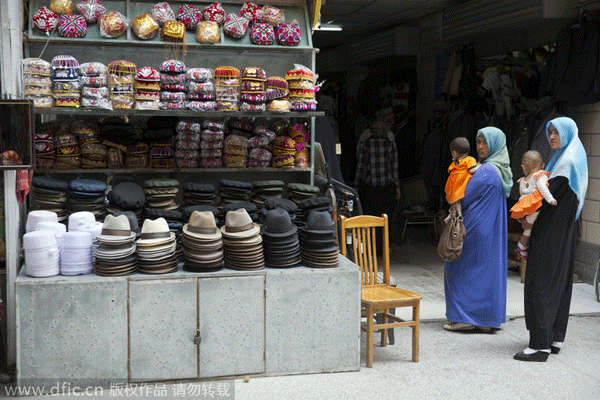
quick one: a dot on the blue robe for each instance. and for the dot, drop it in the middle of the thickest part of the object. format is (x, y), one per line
(475, 284)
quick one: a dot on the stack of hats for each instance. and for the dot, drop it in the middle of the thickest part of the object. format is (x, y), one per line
(285, 204)
(280, 240)
(201, 89)
(41, 253)
(242, 242)
(284, 150)
(250, 208)
(85, 221)
(117, 134)
(260, 154)
(227, 88)
(76, 253)
(121, 76)
(45, 152)
(235, 151)
(300, 191)
(196, 193)
(299, 133)
(116, 254)
(161, 193)
(86, 195)
(68, 154)
(93, 153)
(253, 96)
(265, 189)
(147, 89)
(202, 243)
(211, 144)
(126, 196)
(301, 82)
(49, 194)
(189, 210)
(318, 242)
(276, 94)
(174, 219)
(66, 87)
(234, 191)
(320, 203)
(37, 82)
(57, 228)
(156, 248)
(94, 89)
(173, 85)
(187, 143)
(38, 216)
(162, 154)
(137, 155)
(240, 126)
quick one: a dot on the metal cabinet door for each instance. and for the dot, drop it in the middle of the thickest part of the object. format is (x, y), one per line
(232, 324)
(163, 318)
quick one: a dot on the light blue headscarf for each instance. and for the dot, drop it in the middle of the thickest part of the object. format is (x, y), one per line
(497, 155)
(570, 160)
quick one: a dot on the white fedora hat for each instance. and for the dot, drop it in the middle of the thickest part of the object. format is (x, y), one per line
(155, 232)
(202, 225)
(239, 225)
(116, 230)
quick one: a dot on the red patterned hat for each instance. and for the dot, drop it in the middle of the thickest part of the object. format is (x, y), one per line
(250, 11)
(45, 20)
(215, 13)
(147, 74)
(190, 16)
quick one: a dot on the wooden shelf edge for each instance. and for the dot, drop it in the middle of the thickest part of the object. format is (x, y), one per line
(167, 170)
(173, 113)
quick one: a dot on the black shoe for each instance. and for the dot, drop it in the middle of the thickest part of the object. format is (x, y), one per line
(539, 356)
(554, 349)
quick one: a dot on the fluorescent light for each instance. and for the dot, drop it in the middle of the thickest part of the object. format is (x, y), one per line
(328, 27)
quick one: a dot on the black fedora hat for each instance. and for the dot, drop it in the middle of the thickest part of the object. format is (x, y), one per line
(319, 222)
(278, 224)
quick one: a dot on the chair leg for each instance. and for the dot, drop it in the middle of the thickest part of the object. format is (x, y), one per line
(390, 333)
(415, 332)
(383, 330)
(369, 352)
(404, 229)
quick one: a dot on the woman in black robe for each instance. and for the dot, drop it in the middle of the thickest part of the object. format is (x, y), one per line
(549, 273)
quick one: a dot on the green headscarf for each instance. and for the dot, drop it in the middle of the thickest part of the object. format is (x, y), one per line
(497, 155)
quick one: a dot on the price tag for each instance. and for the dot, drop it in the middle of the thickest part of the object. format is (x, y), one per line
(338, 149)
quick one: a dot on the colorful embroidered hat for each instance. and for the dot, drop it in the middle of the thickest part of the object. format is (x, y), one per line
(147, 74)
(72, 26)
(250, 11)
(226, 72)
(173, 66)
(145, 26)
(91, 10)
(162, 13)
(236, 26)
(215, 13)
(254, 73)
(190, 16)
(45, 20)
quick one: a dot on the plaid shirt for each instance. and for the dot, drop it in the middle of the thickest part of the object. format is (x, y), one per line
(377, 162)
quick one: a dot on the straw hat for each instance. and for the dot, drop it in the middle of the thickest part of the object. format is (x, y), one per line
(155, 232)
(116, 230)
(239, 225)
(202, 226)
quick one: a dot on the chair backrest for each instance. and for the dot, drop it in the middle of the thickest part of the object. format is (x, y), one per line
(362, 230)
(414, 191)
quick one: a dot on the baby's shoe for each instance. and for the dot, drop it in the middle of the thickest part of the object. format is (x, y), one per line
(521, 254)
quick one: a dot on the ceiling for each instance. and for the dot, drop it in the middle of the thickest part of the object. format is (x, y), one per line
(361, 17)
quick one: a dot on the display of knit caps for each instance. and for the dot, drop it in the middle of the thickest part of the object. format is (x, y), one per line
(68, 154)
(265, 189)
(242, 242)
(162, 154)
(284, 150)
(301, 82)
(49, 194)
(94, 86)
(76, 253)
(227, 88)
(41, 253)
(201, 89)
(234, 191)
(86, 195)
(235, 151)
(202, 243)
(318, 242)
(280, 240)
(198, 193)
(37, 216)
(300, 134)
(173, 85)
(37, 85)
(252, 93)
(121, 76)
(211, 143)
(156, 248)
(126, 196)
(187, 143)
(45, 151)
(250, 208)
(147, 89)
(300, 191)
(137, 155)
(320, 203)
(66, 88)
(116, 255)
(161, 193)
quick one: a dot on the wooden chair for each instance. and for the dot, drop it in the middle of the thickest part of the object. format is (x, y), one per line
(417, 206)
(377, 297)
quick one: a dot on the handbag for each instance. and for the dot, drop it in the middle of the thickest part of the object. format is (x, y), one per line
(453, 237)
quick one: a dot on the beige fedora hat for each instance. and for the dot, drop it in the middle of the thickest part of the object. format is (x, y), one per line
(155, 232)
(116, 230)
(239, 225)
(202, 225)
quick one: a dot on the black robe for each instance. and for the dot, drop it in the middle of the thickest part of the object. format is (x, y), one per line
(550, 263)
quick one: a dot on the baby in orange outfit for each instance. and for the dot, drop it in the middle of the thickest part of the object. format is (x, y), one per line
(533, 188)
(459, 172)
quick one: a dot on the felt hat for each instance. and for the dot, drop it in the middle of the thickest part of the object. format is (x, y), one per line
(278, 224)
(155, 232)
(133, 221)
(318, 222)
(202, 225)
(239, 225)
(116, 230)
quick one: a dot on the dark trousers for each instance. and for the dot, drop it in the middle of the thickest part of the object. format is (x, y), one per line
(377, 200)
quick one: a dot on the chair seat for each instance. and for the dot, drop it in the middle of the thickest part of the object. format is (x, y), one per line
(383, 295)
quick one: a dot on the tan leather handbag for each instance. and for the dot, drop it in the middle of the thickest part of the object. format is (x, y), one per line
(452, 239)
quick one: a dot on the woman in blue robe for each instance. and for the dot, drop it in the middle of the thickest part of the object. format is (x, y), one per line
(475, 284)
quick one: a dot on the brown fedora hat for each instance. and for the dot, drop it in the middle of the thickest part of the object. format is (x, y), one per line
(239, 225)
(202, 226)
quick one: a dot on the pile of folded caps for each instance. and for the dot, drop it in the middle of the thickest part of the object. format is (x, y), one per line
(242, 242)
(93, 153)
(284, 150)
(187, 143)
(86, 195)
(66, 87)
(249, 207)
(201, 89)
(259, 147)
(280, 240)
(126, 196)
(173, 85)
(116, 255)
(45, 152)
(49, 194)
(318, 242)
(253, 88)
(147, 89)
(211, 143)
(272, 203)
(41, 253)
(58, 229)
(234, 191)
(301, 191)
(265, 189)
(320, 203)
(94, 85)
(37, 83)
(202, 243)
(76, 253)
(197, 193)
(161, 193)
(235, 151)
(85, 221)
(156, 248)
